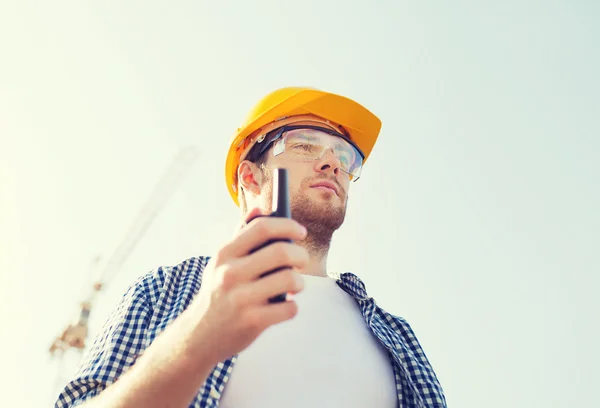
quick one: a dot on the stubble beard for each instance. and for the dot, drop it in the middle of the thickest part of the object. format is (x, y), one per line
(321, 219)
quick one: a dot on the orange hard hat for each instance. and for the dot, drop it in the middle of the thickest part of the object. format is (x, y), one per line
(361, 125)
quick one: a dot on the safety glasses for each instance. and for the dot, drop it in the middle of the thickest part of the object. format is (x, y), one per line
(309, 143)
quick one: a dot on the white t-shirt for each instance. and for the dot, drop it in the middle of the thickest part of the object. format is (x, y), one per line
(326, 356)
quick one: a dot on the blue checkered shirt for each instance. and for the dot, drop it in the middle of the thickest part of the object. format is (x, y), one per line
(157, 298)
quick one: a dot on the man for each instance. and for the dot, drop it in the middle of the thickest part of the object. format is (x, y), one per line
(203, 333)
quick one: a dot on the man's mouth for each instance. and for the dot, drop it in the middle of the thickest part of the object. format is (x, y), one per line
(326, 186)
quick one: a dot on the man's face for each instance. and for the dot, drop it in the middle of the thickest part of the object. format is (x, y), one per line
(318, 189)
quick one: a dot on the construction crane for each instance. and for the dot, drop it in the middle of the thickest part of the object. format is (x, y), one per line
(75, 334)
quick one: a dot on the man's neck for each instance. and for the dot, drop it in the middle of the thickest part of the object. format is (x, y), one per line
(317, 264)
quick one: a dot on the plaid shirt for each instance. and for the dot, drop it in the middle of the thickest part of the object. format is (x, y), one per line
(156, 299)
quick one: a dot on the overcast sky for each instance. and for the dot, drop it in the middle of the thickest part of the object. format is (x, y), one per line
(476, 217)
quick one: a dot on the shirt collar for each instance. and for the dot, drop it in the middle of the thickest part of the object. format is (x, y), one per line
(352, 285)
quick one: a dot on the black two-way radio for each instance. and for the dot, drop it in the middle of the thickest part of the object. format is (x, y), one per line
(280, 208)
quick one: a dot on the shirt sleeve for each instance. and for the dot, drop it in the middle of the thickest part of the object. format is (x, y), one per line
(417, 365)
(114, 350)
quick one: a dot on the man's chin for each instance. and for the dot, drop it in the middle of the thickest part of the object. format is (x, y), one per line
(327, 205)
(321, 213)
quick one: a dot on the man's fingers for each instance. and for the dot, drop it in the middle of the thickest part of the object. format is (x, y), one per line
(270, 314)
(260, 231)
(274, 256)
(259, 291)
(253, 213)
(279, 312)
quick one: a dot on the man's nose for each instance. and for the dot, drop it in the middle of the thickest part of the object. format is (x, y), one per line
(328, 162)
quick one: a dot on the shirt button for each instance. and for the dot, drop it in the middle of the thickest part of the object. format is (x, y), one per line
(214, 393)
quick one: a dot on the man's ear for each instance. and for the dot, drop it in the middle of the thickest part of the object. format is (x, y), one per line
(249, 176)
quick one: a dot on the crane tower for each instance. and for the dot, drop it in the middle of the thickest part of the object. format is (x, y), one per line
(74, 335)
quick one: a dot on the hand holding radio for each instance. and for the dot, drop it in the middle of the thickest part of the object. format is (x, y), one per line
(240, 296)
(281, 209)
(245, 285)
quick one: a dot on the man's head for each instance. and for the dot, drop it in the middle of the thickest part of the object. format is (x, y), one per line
(320, 137)
(321, 161)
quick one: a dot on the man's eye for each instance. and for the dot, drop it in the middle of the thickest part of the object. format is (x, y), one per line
(302, 146)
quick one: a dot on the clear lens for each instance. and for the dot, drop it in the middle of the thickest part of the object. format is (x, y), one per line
(312, 144)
